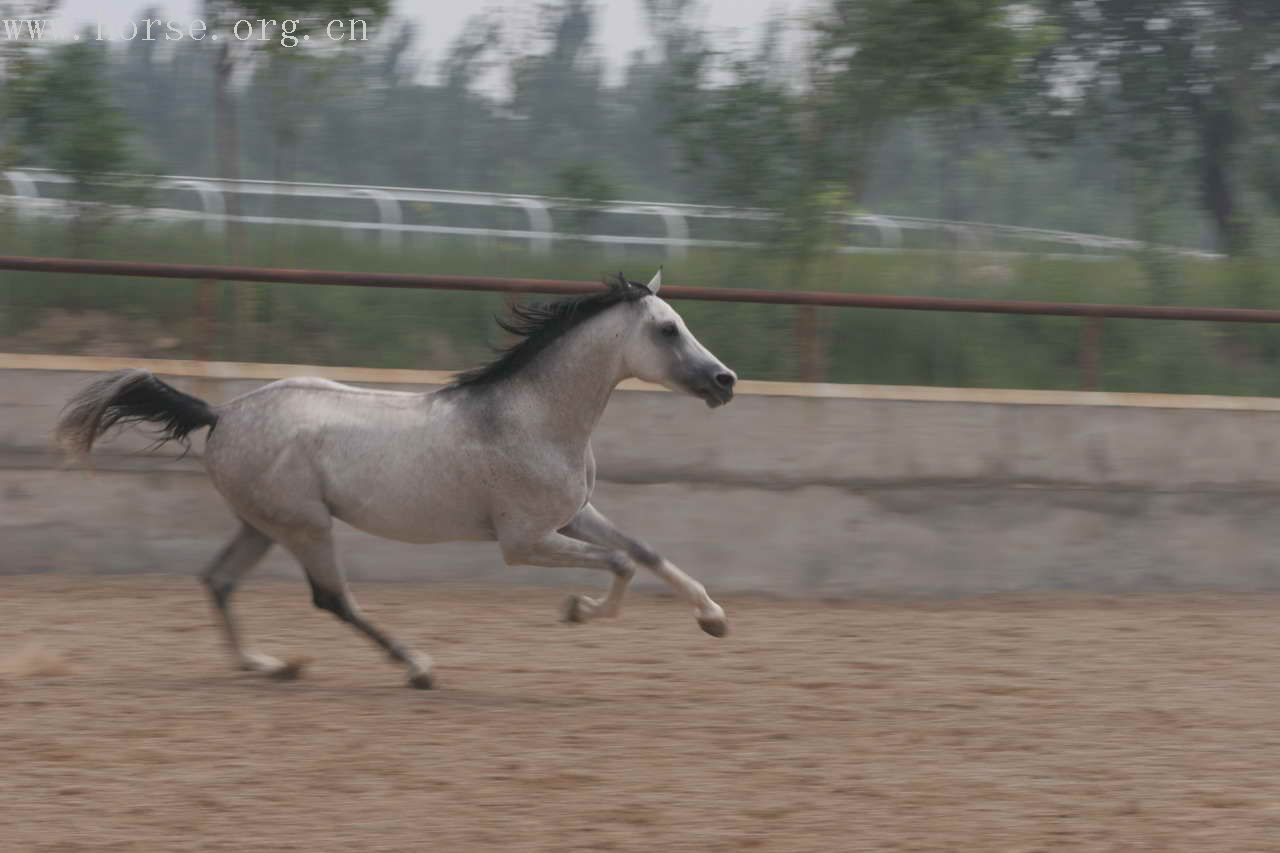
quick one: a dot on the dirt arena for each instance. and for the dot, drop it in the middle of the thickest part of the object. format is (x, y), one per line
(1010, 724)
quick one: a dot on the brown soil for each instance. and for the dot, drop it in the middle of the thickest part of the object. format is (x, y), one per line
(1053, 722)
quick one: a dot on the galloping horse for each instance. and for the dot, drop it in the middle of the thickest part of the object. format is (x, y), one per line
(502, 454)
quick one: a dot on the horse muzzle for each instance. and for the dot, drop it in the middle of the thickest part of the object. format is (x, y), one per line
(717, 389)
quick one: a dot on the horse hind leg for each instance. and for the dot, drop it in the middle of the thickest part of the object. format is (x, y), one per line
(315, 551)
(236, 559)
(591, 527)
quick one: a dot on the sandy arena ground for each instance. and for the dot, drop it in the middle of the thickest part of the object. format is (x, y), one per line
(1059, 722)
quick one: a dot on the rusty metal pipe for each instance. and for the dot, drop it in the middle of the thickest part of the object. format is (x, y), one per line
(712, 294)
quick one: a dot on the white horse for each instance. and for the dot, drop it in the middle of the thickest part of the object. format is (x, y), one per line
(502, 454)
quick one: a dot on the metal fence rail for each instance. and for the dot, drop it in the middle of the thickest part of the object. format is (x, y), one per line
(539, 211)
(1092, 313)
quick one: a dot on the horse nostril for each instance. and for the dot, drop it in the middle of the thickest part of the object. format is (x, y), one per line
(725, 380)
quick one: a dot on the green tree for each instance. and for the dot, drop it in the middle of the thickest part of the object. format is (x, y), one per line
(466, 143)
(556, 90)
(780, 133)
(756, 140)
(759, 140)
(19, 72)
(67, 119)
(222, 15)
(589, 188)
(882, 60)
(1176, 84)
(798, 137)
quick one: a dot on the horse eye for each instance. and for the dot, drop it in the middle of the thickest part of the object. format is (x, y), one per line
(669, 330)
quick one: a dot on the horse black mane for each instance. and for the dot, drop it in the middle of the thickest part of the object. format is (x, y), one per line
(537, 325)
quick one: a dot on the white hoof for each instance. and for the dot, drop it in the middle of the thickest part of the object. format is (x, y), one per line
(713, 621)
(714, 627)
(578, 609)
(273, 667)
(254, 662)
(420, 676)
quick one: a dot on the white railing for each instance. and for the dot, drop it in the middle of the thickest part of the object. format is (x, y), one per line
(538, 210)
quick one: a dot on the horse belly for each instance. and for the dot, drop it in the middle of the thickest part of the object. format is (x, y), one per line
(412, 504)
(424, 522)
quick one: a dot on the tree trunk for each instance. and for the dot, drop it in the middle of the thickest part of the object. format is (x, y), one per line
(807, 332)
(1217, 137)
(226, 125)
(226, 128)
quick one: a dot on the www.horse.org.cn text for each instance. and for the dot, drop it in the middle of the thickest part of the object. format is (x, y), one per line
(287, 32)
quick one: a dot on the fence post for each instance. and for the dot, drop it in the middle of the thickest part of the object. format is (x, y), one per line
(205, 330)
(1090, 352)
(206, 318)
(808, 332)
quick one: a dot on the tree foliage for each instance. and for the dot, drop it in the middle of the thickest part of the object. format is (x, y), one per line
(1151, 118)
(792, 132)
(1175, 85)
(66, 117)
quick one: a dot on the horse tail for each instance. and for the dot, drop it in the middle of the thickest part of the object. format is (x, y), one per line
(130, 397)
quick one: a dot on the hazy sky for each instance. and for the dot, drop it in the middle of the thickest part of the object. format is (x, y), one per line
(620, 25)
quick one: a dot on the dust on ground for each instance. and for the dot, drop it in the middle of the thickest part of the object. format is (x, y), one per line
(1064, 722)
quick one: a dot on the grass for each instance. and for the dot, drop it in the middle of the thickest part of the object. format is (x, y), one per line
(446, 330)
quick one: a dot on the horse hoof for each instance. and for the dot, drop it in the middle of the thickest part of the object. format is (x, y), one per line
(421, 681)
(716, 627)
(288, 671)
(571, 611)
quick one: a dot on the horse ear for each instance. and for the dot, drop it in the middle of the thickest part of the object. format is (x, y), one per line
(655, 282)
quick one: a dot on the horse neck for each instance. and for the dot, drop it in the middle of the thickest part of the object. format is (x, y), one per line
(573, 380)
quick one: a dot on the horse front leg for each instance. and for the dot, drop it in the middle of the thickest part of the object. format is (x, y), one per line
(592, 526)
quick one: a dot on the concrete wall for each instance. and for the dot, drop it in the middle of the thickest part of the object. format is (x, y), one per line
(827, 490)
